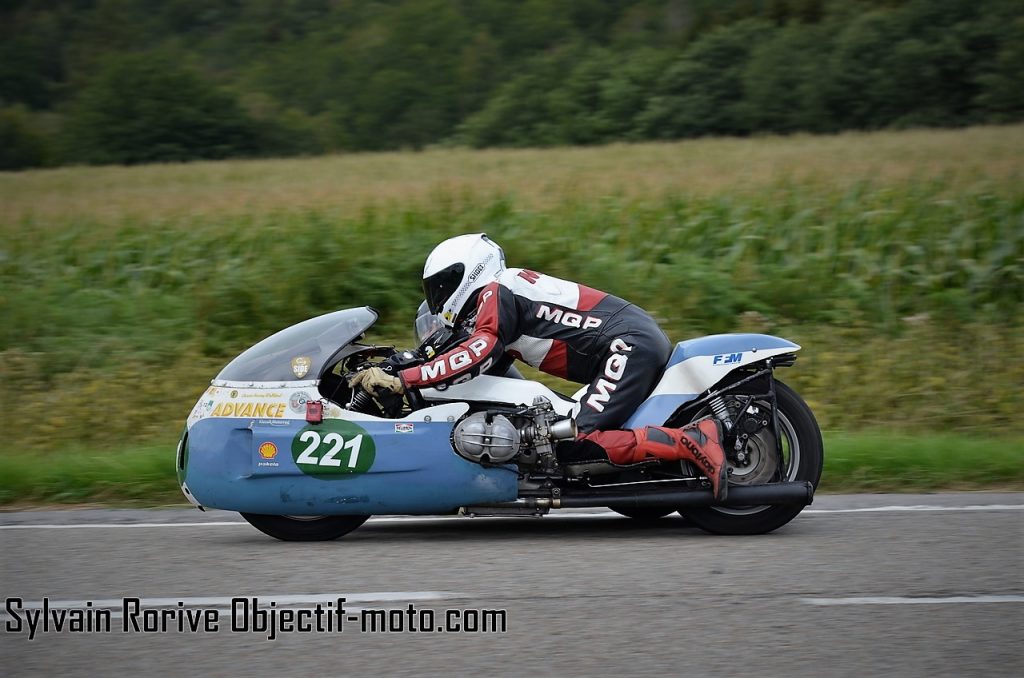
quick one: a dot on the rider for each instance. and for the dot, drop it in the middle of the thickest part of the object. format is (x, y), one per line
(562, 328)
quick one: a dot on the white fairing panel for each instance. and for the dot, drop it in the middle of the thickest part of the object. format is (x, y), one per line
(699, 373)
(501, 390)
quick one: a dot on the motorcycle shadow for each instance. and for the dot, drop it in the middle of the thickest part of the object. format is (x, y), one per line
(487, 528)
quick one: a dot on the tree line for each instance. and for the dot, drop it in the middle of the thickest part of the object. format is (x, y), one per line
(133, 81)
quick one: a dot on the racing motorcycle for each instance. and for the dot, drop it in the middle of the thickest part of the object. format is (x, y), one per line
(280, 437)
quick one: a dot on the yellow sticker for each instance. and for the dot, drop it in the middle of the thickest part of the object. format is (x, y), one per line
(300, 366)
(268, 450)
(245, 410)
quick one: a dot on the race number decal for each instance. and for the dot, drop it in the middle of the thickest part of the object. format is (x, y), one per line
(333, 448)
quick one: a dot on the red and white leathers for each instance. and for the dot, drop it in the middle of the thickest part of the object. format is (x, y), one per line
(571, 331)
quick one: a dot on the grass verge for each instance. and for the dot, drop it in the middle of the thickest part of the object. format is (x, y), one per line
(854, 462)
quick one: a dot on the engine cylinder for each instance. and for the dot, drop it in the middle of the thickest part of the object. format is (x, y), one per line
(487, 438)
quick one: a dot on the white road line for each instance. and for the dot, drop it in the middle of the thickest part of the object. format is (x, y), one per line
(910, 600)
(920, 507)
(75, 526)
(923, 508)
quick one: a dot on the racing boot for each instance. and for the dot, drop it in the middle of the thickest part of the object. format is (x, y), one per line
(699, 442)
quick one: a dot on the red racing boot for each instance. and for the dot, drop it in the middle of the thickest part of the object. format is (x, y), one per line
(699, 442)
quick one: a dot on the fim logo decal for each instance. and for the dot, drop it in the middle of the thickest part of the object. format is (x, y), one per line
(404, 428)
(727, 359)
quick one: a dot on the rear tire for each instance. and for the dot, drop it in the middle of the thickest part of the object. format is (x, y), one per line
(804, 458)
(302, 528)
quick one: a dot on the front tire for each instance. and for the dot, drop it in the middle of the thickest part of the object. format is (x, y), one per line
(303, 528)
(803, 456)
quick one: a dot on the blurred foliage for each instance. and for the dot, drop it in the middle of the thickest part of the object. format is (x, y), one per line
(146, 108)
(21, 143)
(907, 298)
(125, 81)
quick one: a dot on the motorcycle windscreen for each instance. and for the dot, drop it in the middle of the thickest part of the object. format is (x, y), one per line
(301, 351)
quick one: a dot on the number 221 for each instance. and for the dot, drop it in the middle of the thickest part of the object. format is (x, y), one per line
(336, 442)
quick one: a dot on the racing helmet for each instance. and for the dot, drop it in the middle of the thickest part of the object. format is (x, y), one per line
(456, 270)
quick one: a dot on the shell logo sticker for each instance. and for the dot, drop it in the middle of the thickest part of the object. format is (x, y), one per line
(268, 450)
(300, 366)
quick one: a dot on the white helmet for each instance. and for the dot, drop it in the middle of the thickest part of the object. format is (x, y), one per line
(457, 269)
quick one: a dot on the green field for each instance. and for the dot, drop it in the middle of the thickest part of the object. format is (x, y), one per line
(896, 259)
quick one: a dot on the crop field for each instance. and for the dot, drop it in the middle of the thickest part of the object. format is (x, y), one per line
(896, 259)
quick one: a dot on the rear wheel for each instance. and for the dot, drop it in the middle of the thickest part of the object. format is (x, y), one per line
(802, 459)
(304, 528)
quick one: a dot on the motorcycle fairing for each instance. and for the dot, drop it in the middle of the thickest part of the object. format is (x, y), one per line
(501, 390)
(252, 465)
(301, 351)
(698, 364)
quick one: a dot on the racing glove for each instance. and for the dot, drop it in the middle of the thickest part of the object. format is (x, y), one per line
(374, 378)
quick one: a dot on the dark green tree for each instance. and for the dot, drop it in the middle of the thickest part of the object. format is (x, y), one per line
(703, 92)
(21, 144)
(1000, 95)
(147, 108)
(784, 82)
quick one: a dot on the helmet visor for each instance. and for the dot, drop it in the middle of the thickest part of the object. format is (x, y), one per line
(439, 287)
(426, 323)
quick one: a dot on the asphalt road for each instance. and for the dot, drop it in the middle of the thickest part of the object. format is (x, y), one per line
(858, 585)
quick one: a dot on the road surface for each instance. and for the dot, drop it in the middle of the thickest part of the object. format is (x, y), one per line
(908, 585)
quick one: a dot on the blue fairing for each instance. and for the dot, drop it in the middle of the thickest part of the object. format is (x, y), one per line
(414, 471)
(656, 410)
(659, 407)
(716, 344)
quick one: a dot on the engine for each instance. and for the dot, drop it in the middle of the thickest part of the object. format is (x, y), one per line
(526, 435)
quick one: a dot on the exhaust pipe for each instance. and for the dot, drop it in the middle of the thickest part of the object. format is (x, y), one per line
(739, 495)
(801, 493)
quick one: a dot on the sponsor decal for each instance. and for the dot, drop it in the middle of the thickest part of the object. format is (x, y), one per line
(202, 409)
(456, 361)
(727, 359)
(404, 428)
(268, 450)
(297, 403)
(614, 368)
(234, 394)
(529, 276)
(268, 395)
(300, 366)
(256, 410)
(476, 272)
(567, 318)
(333, 449)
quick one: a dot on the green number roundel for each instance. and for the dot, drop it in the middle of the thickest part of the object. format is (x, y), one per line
(333, 448)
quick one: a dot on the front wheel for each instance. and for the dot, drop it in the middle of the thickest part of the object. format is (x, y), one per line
(304, 528)
(802, 460)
